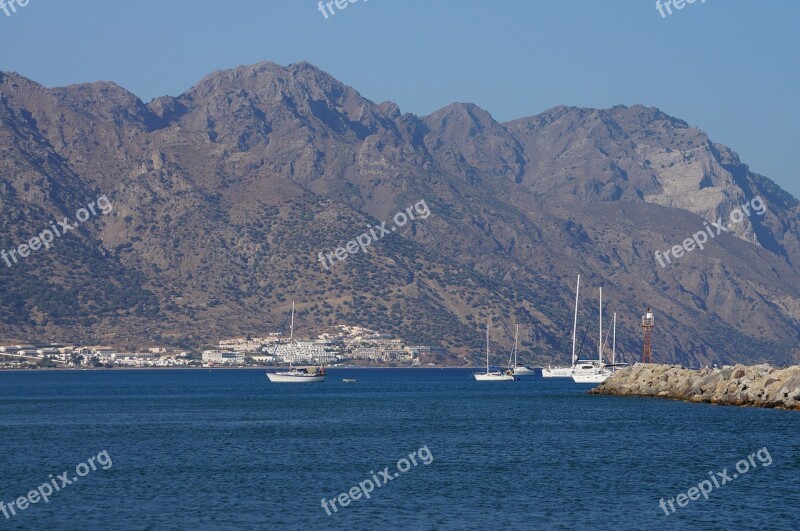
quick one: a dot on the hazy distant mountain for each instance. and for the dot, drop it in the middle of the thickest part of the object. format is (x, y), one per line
(224, 196)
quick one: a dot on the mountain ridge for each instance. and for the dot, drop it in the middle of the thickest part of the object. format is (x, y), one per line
(220, 194)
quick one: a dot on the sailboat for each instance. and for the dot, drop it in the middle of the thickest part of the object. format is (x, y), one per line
(578, 366)
(492, 376)
(297, 374)
(614, 366)
(566, 372)
(517, 369)
(601, 373)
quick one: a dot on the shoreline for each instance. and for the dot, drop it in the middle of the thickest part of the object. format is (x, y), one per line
(99, 369)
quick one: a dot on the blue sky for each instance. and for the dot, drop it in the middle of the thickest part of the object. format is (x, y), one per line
(729, 67)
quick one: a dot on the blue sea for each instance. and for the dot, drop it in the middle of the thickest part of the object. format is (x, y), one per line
(226, 449)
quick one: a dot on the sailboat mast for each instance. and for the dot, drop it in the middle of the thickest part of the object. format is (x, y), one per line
(516, 336)
(600, 342)
(575, 322)
(291, 326)
(614, 342)
(487, 348)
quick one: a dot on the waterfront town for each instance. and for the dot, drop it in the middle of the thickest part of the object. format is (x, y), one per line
(343, 345)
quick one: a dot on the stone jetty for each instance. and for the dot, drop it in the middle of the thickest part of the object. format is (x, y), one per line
(737, 385)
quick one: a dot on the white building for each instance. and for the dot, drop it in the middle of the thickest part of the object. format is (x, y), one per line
(99, 351)
(242, 344)
(381, 348)
(220, 357)
(306, 352)
(365, 353)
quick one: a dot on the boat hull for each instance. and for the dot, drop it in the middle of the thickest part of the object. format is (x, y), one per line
(582, 367)
(493, 377)
(523, 371)
(558, 372)
(279, 377)
(598, 377)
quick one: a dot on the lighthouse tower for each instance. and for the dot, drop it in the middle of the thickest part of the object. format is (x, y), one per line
(647, 328)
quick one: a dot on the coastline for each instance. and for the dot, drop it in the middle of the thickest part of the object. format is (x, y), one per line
(281, 368)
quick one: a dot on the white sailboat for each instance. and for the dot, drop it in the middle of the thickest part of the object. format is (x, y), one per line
(578, 366)
(492, 376)
(523, 370)
(600, 373)
(297, 374)
(614, 366)
(557, 372)
(597, 377)
(517, 369)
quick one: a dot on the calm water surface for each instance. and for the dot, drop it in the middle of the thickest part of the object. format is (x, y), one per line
(225, 449)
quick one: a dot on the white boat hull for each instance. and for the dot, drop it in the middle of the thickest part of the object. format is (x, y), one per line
(287, 377)
(598, 377)
(583, 367)
(557, 372)
(523, 371)
(493, 377)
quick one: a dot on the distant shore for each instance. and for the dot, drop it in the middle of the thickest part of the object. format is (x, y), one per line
(6, 369)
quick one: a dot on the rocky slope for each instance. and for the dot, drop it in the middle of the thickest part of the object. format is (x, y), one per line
(760, 385)
(224, 196)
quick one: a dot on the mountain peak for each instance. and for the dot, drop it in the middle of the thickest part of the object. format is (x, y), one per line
(457, 110)
(467, 139)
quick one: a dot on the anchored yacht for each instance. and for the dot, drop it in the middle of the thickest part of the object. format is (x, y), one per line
(492, 376)
(601, 371)
(297, 374)
(578, 366)
(516, 368)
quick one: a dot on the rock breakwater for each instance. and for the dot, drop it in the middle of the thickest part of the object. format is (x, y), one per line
(738, 385)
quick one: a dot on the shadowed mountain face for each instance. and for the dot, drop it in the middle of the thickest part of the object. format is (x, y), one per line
(224, 196)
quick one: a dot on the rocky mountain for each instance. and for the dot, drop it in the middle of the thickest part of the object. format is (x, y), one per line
(225, 196)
